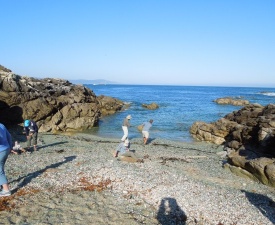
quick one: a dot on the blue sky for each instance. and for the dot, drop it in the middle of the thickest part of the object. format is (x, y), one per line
(182, 42)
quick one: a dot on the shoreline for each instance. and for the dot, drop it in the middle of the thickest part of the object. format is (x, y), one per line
(137, 135)
(75, 179)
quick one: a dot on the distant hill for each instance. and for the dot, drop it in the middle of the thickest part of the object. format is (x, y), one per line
(4, 70)
(98, 81)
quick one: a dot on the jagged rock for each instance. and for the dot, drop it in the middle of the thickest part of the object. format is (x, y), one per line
(237, 160)
(109, 105)
(151, 106)
(213, 132)
(270, 173)
(257, 168)
(252, 125)
(231, 101)
(261, 169)
(234, 144)
(4, 70)
(240, 172)
(55, 104)
(250, 133)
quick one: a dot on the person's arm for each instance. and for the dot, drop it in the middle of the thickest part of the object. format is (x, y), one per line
(128, 123)
(35, 127)
(26, 129)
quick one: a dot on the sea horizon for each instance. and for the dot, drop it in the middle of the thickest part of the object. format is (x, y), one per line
(83, 82)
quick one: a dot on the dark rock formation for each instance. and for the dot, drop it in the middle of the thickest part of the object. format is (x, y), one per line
(151, 106)
(109, 105)
(4, 69)
(55, 104)
(232, 101)
(249, 137)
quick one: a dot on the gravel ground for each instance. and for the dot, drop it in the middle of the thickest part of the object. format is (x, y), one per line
(74, 179)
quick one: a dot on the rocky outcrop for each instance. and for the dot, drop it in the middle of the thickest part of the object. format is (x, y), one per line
(253, 125)
(213, 132)
(109, 105)
(260, 169)
(4, 69)
(151, 106)
(55, 104)
(232, 101)
(249, 135)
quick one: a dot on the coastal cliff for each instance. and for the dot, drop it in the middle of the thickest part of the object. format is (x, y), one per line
(55, 104)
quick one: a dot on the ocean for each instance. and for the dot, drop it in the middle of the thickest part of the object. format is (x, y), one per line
(179, 108)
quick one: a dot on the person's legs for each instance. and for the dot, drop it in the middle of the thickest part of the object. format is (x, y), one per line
(145, 136)
(3, 178)
(116, 154)
(125, 131)
(34, 140)
(29, 138)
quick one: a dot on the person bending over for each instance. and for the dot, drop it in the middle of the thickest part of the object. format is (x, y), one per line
(31, 131)
(123, 149)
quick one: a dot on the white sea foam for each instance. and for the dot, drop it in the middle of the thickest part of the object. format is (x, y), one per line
(268, 93)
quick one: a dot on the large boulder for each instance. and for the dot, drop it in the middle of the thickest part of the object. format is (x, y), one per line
(212, 132)
(55, 104)
(261, 169)
(151, 106)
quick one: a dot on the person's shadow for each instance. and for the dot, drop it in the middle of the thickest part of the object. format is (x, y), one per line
(150, 140)
(53, 144)
(27, 178)
(265, 204)
(170, 213)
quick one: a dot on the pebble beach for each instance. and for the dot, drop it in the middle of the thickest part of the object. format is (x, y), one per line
(74, 179)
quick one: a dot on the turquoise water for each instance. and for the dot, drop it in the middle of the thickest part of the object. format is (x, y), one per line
(179, 107)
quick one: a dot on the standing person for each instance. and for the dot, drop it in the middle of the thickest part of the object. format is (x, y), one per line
(145, 130)
(125, 125)
(31, 130)
(5, 148)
